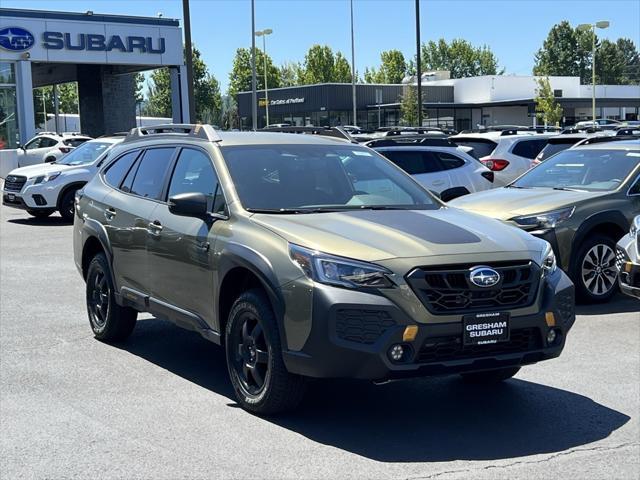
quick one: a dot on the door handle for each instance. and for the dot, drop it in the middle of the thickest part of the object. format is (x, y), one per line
(109, 213)
(155, 228)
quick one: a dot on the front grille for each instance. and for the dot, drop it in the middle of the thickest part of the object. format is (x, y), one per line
(442, 349)
(362, 326)
(14, 183)
(621, 258)
(447, 289)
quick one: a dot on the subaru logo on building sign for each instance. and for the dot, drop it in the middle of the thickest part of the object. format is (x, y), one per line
(484, 277)
(16, 39)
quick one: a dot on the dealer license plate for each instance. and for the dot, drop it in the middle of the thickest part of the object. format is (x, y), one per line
(485, 328)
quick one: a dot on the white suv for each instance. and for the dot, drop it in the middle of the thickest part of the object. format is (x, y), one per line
(48, 147)
(437, 164)
(44, 188)
(508, 153)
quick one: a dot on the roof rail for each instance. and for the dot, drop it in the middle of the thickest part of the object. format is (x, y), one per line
(205, 132)
(411, 141)
(335, 132)
(606, 138)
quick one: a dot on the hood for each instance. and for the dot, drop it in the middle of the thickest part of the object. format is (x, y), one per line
(506, 203)
(39, 169)
(375, 235)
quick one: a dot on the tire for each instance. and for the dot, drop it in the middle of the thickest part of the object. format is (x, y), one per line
(259, 377)
(490, 377)
(594, 269)
(109, 321)
(40, 213)
(67, 204)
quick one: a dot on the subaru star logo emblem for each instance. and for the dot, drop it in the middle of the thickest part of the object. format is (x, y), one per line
(16, 39)
(484, 277)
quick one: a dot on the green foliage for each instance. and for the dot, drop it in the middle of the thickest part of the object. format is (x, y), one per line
(567, 51)
(240, 76)
(393, 68)
(409, 106)
(43, 101)
(321, 65)
(460, 58)
(548, 110)
(208, 103)
(290, 74)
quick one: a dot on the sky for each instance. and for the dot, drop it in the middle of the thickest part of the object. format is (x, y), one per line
(513, 29)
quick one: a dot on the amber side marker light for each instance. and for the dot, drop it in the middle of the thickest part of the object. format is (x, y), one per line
(410, 333)
(550, 319)
(627, 267)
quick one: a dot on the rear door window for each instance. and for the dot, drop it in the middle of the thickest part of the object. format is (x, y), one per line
(152, 172)
(119, 168)
(415, 162)
(529, 148)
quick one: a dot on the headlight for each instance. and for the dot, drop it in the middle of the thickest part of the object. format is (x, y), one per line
(635, 226)
(47, 178)
(549, 264)
(545, 220)
(343, 272)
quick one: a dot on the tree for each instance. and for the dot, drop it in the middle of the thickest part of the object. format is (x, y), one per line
(393, 68)
(559, 54)
(240, 76)
(290, 74)
(341, 69)
(139, 94)
(547, 109)
(460, 58)
(630, 60)
(609, 64)
(43, 101)
(208, 104)
(409, 106)
(318, 65)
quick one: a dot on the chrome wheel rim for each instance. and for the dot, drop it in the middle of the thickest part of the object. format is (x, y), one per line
(99, 300)
(599, 272)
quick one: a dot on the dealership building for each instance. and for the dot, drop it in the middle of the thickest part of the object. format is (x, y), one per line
(99, 52)
(453, 103)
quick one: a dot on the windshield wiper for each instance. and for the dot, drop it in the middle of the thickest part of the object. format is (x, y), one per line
(292, 211)
(511, 185)
(566, 189)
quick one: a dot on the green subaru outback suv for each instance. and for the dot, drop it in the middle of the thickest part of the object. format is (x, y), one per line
(310, 257)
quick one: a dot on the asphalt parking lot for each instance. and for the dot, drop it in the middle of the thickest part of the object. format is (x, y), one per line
(161, 406)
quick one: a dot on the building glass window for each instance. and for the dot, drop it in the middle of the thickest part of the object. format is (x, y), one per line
(8, 109)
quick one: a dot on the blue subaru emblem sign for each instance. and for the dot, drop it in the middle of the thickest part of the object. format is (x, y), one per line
(484, 277)
(16, 39)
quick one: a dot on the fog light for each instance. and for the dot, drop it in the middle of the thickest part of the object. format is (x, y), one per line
(396, 353)
(551, 336)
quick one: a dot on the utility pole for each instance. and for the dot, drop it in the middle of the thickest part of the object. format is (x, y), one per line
(353, 71)
(188, 59)
(263, 34)
(418, 63)
(254, 91)
(592, 28)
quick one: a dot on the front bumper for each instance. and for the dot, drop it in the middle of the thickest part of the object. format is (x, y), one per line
(28, 200)
(351, 338)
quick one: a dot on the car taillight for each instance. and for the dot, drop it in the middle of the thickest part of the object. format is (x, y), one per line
(64, 149)
(495, 164)
(488, 175)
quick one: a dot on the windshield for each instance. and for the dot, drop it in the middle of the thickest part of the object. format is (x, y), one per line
(84, 154)
(312, 178)
(587, 170)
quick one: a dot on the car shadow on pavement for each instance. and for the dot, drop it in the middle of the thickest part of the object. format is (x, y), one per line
(52, 221)
(422, 420)
(618, 304)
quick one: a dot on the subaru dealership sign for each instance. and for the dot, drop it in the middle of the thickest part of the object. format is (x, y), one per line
(82, 39)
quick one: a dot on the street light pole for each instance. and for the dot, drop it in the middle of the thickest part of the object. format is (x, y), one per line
(592, 27)
(353, 71)
(263, 34)
(254, 92)
(418, 63)
(188, 59)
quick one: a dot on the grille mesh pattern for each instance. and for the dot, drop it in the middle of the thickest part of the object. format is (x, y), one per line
(362, 326)
(565, 304)
(14, 183)
(441, 349)
(447, 290)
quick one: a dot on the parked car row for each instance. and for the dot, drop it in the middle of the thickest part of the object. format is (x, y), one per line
(311, 255)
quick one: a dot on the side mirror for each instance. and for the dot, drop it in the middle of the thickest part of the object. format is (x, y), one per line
(191, 204)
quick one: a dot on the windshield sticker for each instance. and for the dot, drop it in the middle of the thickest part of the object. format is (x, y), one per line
(361, 153)
(633, 154)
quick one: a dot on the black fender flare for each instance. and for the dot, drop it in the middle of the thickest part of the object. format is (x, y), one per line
(93, 228)
(236, 255)
(73, 185)
(609, 216)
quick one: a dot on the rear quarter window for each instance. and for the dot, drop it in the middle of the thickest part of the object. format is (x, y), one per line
(529, 148)
(482, 147)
